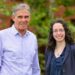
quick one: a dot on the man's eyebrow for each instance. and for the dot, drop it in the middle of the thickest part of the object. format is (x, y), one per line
(23, 16)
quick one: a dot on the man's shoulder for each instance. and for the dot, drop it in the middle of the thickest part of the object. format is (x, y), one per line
(4, 31)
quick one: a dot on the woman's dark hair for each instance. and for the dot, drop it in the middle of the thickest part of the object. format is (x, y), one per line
(51, 41)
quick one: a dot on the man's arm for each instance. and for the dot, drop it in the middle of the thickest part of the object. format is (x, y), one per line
(1, 53)
(35, 65)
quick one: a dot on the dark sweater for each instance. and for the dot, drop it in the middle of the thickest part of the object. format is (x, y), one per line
(56, 64)
(68, 67)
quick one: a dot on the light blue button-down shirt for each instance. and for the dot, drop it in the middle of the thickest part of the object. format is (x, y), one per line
(18, 55)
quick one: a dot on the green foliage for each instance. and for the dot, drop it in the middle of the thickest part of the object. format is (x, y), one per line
(42, 62)
(3, 9)
(71, 26)
(72, 29)
(65, 2)
(69, 12)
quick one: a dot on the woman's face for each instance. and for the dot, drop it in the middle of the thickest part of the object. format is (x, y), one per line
(58, 32)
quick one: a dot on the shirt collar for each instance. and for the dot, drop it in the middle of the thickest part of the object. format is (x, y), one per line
(15, 31)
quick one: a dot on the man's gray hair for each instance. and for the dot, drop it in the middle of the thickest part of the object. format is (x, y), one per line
(19, 7)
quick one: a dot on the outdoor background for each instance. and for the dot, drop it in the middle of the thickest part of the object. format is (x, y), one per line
(42, 13)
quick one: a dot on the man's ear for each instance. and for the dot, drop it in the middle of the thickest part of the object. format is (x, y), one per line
(12, 17)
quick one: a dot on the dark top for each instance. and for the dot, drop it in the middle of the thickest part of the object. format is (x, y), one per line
(68, 67)
(56, 64)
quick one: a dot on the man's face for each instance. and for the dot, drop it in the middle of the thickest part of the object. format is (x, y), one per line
(21, 19)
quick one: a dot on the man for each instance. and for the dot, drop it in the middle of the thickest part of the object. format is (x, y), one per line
(18, 53)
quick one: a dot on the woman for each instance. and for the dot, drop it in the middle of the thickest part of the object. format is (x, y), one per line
(60, 52)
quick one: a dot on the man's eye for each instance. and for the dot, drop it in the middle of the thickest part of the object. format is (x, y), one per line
(26, 16)
(20, 16)
(23, 16)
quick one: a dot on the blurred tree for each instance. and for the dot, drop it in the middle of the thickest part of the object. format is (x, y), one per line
(65, 2)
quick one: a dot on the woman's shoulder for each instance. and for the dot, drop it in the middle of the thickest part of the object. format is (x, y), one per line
(72, 47)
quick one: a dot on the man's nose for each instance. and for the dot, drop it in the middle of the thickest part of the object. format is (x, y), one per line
(23, 18)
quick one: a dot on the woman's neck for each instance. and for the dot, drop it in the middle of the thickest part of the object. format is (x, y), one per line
(59, 48)
(60, 44)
